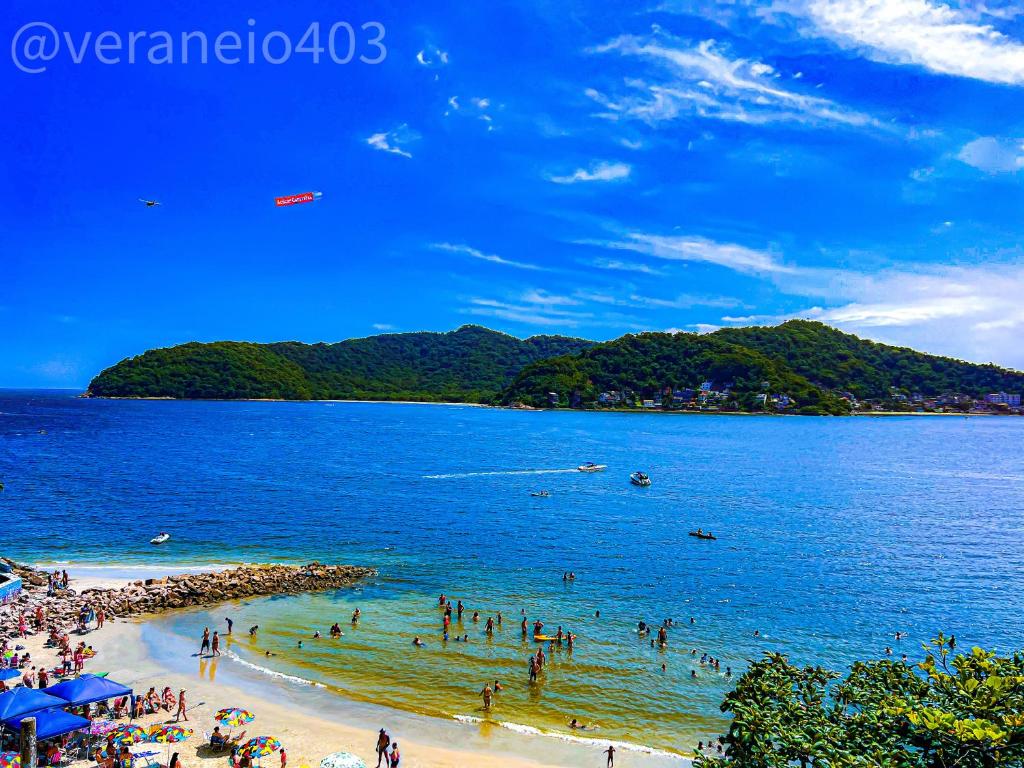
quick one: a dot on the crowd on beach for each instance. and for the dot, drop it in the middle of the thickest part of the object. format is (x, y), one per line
(162, 701)
(63, 658)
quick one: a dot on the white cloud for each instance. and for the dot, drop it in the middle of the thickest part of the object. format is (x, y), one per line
(383, 327)
(941, 38)
(972, 313)
(476, 254)
(739, 258)
(542, 297)
(432, 57)
(994, 155)
(394, 140)
(702, 80)
(624, 266)
(527, 313)
(639, 301)
(602, 171)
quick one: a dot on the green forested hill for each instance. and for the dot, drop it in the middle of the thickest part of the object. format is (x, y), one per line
(808, 361)
(837, 360)
(471, 364)
(649, 362)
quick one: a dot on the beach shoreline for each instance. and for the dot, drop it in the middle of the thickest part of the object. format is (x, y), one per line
(310, 720)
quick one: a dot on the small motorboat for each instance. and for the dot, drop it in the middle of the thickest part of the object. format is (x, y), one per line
(640, 478)
(540, 494)
(702, 535)
(592, 467)
(160, 538)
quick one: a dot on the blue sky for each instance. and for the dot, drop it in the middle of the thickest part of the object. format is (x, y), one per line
(589, 168)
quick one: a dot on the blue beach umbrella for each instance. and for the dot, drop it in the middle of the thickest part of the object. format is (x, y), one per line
(9, 674)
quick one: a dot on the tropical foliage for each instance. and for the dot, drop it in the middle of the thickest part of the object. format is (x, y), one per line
(471, 364)
(809, 362)
(837, 360)
(650, 363)
(950, 711)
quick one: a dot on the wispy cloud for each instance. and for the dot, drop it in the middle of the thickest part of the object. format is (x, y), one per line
(602, 171)
(383, 327)
(639, 301)
(703, 80)
(943, 38)
(994, 155)
(466, 250)
(739, 258)
(394, 141)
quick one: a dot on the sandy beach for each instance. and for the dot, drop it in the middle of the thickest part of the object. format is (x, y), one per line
(309, 731)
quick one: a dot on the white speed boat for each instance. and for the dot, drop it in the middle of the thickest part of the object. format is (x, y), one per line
(160, 538)
(592, 467)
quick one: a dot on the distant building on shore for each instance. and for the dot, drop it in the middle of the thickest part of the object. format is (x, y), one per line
(1002, 398)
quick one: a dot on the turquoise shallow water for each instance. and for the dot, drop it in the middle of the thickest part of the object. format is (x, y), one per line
(833, 534)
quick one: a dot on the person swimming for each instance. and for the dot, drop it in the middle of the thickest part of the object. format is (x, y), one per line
(417, 642)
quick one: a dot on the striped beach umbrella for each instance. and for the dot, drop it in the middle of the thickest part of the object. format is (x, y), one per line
(101, 727)
(234, 716)
(168, 734)
(342, 760)
(127, 734)
(10, 760)
(259, 747)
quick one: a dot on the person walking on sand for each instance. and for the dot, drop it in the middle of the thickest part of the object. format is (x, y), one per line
(215, 645)
(204, 648)
(487, 693)
(611, 755)
(100, 616)
(395, 756)
(284, 758)
(383, 742)
(182, 713)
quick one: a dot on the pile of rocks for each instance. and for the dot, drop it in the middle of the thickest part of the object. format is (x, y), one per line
(172, 592)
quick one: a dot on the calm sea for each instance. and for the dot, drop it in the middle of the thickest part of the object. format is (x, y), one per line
(833, 534)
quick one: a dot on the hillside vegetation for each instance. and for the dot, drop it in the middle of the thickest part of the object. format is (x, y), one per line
(471, 364)
(816, 368)
(813, 364)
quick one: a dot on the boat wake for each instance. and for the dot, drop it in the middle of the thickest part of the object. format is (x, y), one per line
(459, 475)
(272, 673)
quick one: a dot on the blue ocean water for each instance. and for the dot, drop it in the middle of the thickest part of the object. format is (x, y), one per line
(833, 534)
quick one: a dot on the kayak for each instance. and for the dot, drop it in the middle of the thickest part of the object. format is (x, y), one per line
(703, 535)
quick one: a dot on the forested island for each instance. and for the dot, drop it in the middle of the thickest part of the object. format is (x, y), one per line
(797, 367)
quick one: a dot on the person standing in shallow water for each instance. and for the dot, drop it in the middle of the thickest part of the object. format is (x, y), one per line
(487, 693)
(205, 646)
(215, 644)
